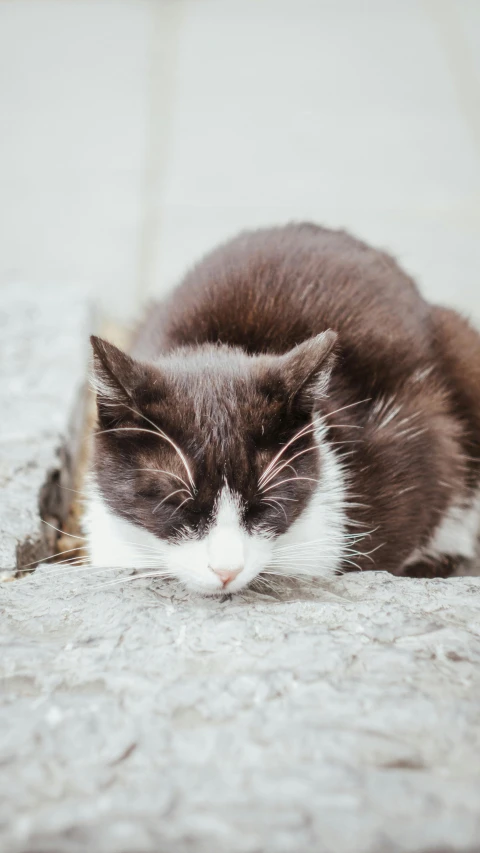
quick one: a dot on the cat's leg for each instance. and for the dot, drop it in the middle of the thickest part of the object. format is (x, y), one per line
(454, 542)
(433, 567)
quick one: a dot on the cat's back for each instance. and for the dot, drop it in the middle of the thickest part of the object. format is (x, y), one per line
(268, 290)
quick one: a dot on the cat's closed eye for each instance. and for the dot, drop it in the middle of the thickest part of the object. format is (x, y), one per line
(147, 492)
(254, 512)
(194, 510)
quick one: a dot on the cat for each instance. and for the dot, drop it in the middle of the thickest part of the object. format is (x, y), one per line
(294, 407)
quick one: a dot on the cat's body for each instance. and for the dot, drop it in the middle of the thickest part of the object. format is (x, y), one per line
(245, 438)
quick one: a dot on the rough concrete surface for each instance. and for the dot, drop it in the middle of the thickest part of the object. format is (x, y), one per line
(135, 718)
(43, 358)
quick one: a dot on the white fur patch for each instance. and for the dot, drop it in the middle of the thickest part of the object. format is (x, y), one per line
(115, 542)
(456, 535)
(320, 531)
(226, 546)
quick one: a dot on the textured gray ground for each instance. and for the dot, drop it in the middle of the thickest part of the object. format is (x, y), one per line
(135, 718)
(43, 358)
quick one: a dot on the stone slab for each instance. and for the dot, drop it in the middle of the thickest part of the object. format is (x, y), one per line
(43, 361)
(136, 719)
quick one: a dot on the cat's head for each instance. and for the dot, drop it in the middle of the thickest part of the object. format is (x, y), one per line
(207, 455)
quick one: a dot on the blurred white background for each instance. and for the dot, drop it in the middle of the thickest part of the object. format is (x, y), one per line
(135, 134)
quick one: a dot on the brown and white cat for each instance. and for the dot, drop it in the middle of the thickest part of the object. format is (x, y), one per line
(294, 407)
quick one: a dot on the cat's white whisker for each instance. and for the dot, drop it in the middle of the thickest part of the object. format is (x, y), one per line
(167, 438)
(284, 498)
(93, 569)
(63, 532)
(290, 480)
(129, 579)
(302, 432)
(49, 557)
(177, 449)
(190, 498)
(176, 492)
(159, 434)
(343, 537)
(273, 502)
(344, 426)
(76, 491)
(350, 406)
(275, 472)
(168, 473)
(125, 429)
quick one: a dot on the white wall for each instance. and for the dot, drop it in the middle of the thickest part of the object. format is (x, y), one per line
(135, 135)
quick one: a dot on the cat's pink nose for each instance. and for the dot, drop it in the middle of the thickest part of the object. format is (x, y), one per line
(227, 575)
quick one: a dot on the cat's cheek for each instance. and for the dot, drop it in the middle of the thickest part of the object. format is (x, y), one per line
(188, 562)
(259, 552)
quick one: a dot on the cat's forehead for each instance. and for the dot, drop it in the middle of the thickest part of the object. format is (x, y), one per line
(235, 397)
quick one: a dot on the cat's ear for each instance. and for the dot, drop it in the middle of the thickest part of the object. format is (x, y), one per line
(114, 377)
(307, 367)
